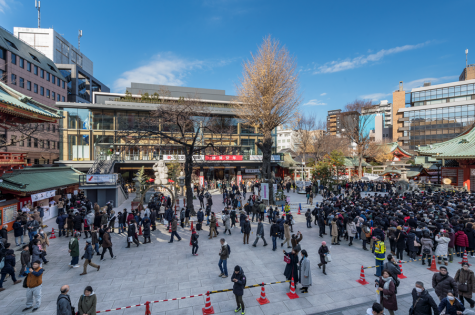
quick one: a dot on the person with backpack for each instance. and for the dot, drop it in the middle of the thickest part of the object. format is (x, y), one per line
(239, 284)
(63, 303)
(223, 256)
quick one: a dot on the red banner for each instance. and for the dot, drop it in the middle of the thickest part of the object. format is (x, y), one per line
(223, 157)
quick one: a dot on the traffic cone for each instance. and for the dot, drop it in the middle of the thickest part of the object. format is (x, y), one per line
(465, 258)
(191, 227)
(169, 228)
(362, 279)
(208, 309)
(299, 209)
(292, 295)
(140, 230)
(217, 223)
(401, 276)
(263, 299)
(147, 308)
(52, 234)
(433, 266)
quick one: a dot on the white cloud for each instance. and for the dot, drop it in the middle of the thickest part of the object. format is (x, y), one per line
(3, 6)
(375, 96)
(165, 69)
(420, 82)
(314, 102)
(347, 64)
(323, 94)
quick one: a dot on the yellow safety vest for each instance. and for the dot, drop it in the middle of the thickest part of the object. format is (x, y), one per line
(380, 250)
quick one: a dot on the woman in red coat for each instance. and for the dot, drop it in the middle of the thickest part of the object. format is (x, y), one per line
(461, 242)
(387, 292)
(130, 217)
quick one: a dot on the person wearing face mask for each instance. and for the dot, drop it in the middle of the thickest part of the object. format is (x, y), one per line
(443, 283)
(451, 305)
(387, 292)
(422, 301)
(466, 280)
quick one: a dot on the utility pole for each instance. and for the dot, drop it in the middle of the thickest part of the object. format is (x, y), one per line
(37, 6)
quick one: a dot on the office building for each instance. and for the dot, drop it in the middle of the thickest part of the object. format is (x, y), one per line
(333, 122)
(287, 139)
(434, 113)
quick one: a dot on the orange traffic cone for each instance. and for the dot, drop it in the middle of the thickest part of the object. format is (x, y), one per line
(362, 279)
(208, 309)
(191, 227)
(147, 308)
(292, 295)
(299, 210)
(52, 234)
(217, 223)
(433, 266)
(263, 299)
(401, 276)
(169, 228)
(464, 259)
(140, 230)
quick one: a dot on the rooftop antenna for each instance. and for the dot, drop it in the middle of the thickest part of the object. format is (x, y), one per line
(37, 6)
(79, 39)
(466, 60)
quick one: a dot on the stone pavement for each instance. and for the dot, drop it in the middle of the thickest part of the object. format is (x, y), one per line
(160, 271)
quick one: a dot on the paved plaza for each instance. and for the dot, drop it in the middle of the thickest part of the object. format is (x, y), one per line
(161, 270)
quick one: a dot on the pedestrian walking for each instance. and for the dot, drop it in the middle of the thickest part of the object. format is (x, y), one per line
(387, 292)
(274, 234)
(18, 232)
(88, 252)
(291, 269)
(239, 280)
(194, 242)
(323, 251)
(260, 233)
(443, 283)
(74, 250)
(427, 245)
(247, 231)
(32, 227)
(308, 218)
(466, 280)
(451, 305)
(227, 222)
(132, 234)
(174, 231)
(305, 272)
(146, 230)
(8, 267)
(63, 303)
(223, 259)
(393, 268)
(25, 261)
(34, 283)
(334, 232)
(212, 226)
(87, 302)
(286, 235)
(107, 244)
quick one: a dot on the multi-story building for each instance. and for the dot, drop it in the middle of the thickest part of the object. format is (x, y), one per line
(434, 113)
(286, 139)
(333, 122)
(34, 75)
(76, 68)
(92, 131)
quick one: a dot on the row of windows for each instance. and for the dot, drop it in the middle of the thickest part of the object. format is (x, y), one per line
(36, 143)
(465, 89)
(41, 90)
(439, 113)
(38, 71)
(283, 141)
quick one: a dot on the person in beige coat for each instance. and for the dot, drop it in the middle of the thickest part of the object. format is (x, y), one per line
(286, 234)
(466, 281)
(334, 232)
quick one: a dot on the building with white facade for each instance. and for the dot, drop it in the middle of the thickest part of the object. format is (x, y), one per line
(287, 139)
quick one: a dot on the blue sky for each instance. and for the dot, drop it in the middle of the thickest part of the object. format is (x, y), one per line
(344, 49)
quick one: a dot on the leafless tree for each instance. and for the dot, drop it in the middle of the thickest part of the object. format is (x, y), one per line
(355, 127)
(268, 96)
(304, 131)
(185, 124)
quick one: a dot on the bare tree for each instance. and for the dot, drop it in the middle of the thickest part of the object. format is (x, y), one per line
(325, 143)
(268, 96)
(184, 124)
(355, 126)
(304, 132)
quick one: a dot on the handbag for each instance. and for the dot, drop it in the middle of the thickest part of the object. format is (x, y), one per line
(287, 259)
(426, 251)
(328, 258)
(130, 239)
(416, 244)
(463, 287)
(411, 310)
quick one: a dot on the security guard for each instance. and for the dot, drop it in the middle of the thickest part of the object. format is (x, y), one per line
(379, 254)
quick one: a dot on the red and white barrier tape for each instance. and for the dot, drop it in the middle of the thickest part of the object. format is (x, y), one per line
(175, 299)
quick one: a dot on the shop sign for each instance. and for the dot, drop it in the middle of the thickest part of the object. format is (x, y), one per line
(182, 158)
(43, 195)
(105, 178)
(265, 191)
(259, 157)
(255, 170)
(223, 157)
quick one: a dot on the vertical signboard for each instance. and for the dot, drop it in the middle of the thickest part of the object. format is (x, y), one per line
(265, 191)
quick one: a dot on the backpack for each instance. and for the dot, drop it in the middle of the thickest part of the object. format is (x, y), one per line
(85, 223)
(229, 250)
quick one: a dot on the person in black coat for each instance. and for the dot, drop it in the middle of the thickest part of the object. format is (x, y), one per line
(292, 269)
(132, 232)
(422, 301)
(77, 222)
(18, 231)
(471, 239)
(400, 243)
(322, 252)
(8, 268)
(239, 280)
(146, 231)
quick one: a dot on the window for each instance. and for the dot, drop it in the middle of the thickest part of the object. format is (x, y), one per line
(51, 67)
(10, 44)
(53, 144)
(22, 63)
(36, 70)
(57, 144)
(47, 76)
(53, 78)
(3, 53)
(34, 58)
(59, 82)
(28, 66)
(42, 91)
(35, 88)
(58, 98)
(22, 82)
(14, 59)
(28, 142)
(13, 81)
(28, 85)
(35, 142)
(22, 142)
(47, 144)
(63, 84)
(36, 161)
(54, 128)
(48, 126)
(13, 140)
(53, 96)
(42, 144)
(42, 73)
(62, 99)
(47, 93)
